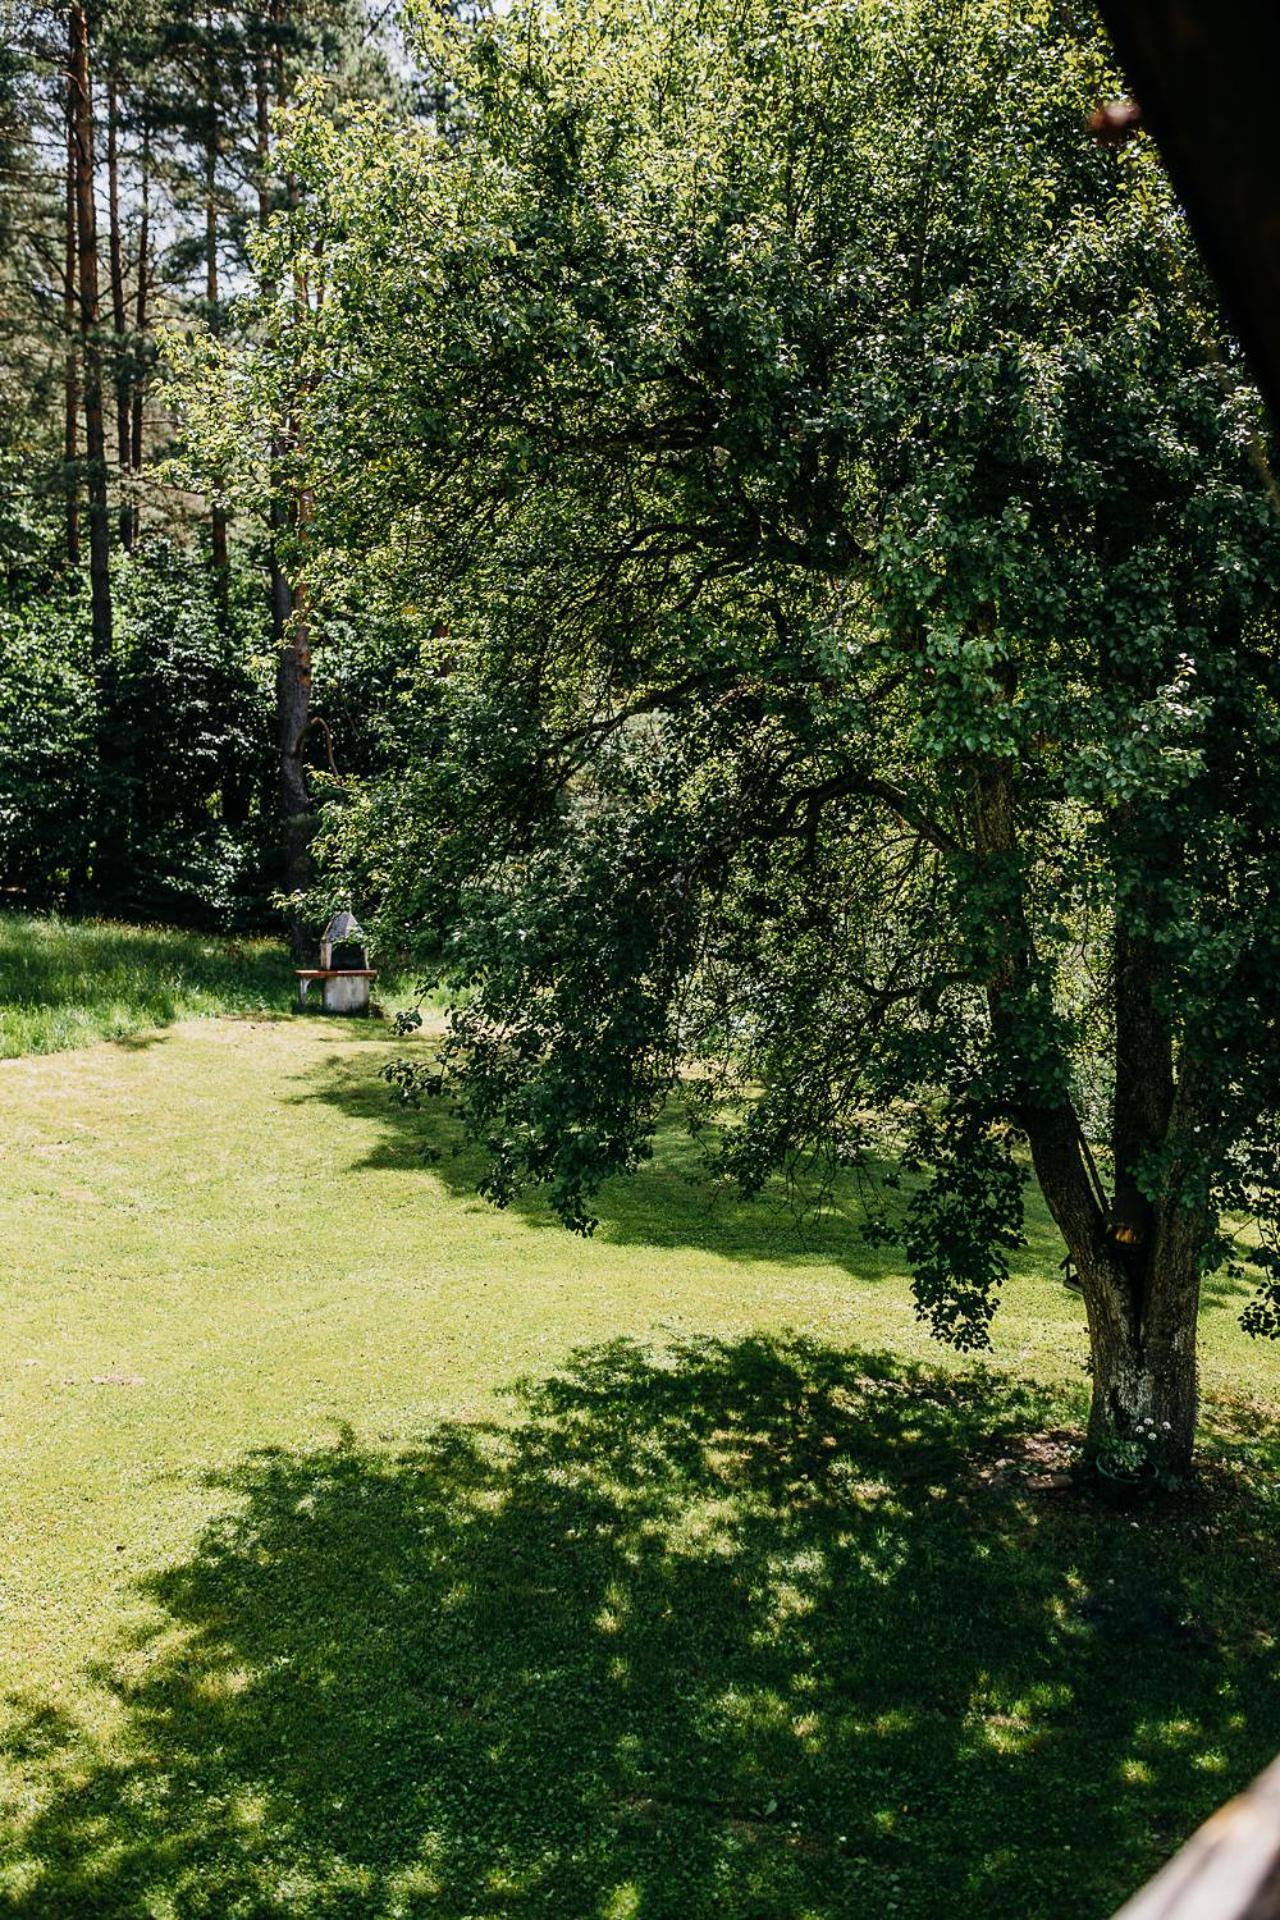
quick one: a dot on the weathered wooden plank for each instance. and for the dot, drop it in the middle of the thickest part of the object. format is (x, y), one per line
(1229, 1870)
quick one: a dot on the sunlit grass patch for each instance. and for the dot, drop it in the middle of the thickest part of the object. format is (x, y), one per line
(67, 983)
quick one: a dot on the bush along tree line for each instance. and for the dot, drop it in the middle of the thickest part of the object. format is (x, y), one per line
(156, 751)
(832, 524)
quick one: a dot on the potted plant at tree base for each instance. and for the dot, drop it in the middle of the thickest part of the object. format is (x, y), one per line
(1126, 1466)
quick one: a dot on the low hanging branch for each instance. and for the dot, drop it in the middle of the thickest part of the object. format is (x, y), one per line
(315, 720)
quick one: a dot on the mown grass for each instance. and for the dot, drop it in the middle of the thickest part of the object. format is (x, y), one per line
(749, 1602)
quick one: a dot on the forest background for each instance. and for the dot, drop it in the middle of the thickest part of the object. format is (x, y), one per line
(158, 718)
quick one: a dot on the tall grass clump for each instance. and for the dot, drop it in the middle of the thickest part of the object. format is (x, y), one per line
(65, 983)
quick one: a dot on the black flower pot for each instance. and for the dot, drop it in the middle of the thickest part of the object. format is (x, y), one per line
(1125, 1488)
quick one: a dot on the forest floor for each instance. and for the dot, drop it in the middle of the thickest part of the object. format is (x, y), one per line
(367, 1552)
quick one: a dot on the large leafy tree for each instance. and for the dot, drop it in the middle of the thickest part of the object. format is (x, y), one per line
(835, 546)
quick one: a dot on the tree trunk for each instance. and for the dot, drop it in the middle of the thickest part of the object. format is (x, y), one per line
(71, 379)
(94, 436)
(293, 711)
(1134, 1383)
(1138, 1258)
(140, 318)
(1144, 1370)
(262, 121)
(1141, 1301)
(119, 312)
(289, 605)
(281, 592)
(221, 564)
(281, 597)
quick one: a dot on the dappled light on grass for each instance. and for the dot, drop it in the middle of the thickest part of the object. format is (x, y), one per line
(739, 1628)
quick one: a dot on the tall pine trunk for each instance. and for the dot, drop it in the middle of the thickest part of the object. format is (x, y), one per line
(281, 598)
(293, 714)
(218, 515)
(71, 327)
(119, 310)
(140, 318)
(94, 434)
(289, 605)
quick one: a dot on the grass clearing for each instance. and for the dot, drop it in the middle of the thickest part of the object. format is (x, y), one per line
(745, 1604)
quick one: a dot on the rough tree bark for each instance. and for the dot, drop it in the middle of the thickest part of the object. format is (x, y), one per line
(281, 597)
(218, 515)
(71, 374)
(289, 604)
(1138, 1260)
(95, 439)
(119, 310)
(140, 316)
(293, 715)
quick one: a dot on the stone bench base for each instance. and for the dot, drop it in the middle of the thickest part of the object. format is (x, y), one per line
(343, 990)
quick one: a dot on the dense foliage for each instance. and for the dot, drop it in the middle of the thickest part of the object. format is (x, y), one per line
(148, 786)
(141, 784)
(845, 592)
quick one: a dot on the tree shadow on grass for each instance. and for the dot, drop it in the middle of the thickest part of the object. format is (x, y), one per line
(672, 1201)
(747, 1630)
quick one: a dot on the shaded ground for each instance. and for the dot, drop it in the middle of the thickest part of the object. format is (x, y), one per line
(738, 1630)
(672, 1204)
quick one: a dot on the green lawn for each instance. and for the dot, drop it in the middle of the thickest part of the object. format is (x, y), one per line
(731, 1609)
